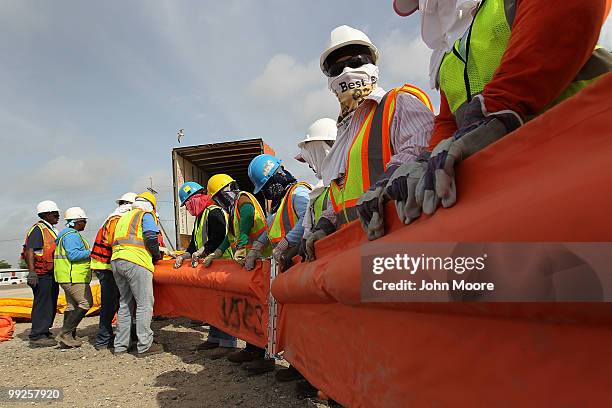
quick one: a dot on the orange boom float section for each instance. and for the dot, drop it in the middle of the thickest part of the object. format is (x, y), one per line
(225, 296)
(546, 182)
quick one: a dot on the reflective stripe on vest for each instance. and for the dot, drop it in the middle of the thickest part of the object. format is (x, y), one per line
(66, 271)
(463, 75)
(319, 205)
(286, 217)
(129, 242)
(369, 154)
(102, 249)
(200, 226)
(259, 224)
(43, 258)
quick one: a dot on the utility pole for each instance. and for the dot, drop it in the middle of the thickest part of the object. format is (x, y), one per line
(152, 190)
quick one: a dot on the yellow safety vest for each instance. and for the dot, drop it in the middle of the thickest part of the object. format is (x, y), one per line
(286, 217)
(369, 154)
(200, 226)
(259, 224)
(129, 241)
(66, 271)
(319, 205)
(463, 75)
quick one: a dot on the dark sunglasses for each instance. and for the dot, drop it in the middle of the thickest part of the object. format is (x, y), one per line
(355, 61)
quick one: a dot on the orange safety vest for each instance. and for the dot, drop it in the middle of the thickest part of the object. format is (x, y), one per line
(43, 260)
(102, 249)
(369, 154)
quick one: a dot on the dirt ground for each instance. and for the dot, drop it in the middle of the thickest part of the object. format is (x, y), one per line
(181, 377)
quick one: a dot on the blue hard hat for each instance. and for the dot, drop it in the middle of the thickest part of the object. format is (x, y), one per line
(188, 189)
(261, 169)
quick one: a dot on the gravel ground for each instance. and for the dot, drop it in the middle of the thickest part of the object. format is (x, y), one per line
(181, 377)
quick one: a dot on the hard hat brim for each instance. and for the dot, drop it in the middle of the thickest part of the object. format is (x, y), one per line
(405, 8)
(344, 44)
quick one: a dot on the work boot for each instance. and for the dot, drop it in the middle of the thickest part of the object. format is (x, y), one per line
(155, 348)
(207, 345)
(260, 366)
(220, 352)
(43, 342)
(288, 374)
(77, 338)
(65, 338)
(242, 356)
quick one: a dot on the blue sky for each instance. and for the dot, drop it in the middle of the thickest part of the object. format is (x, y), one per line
(93, 93)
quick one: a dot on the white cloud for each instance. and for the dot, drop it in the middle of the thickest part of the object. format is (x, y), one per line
(605, 39)
(284, 77)
(404, 59)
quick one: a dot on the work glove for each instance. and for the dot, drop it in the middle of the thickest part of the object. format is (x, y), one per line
(302, 246)
(179, 260)
(371, 207)
(253, 255)
(402, 185)
(215, 255)
(286, 259)
(195, 257)
(278, 250)
(32, 279)
(478, 130)
(323, 228)
(240, 256)
(167, 252)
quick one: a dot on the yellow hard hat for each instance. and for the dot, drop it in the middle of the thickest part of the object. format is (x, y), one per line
(150, 197)
(217, 182)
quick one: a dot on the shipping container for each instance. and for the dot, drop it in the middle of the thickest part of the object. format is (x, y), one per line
(199, 163)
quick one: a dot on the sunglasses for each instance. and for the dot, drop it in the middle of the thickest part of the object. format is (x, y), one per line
(355, 61)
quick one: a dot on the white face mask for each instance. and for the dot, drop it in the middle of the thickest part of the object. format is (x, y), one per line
(314, 153)
(352, 86)
(143, 205)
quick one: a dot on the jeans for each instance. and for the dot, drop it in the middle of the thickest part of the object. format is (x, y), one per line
(135, 283)
(44, 306)
(217, 336)
(109, 305)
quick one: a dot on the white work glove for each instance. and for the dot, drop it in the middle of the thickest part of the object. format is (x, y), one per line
(195, 257)
(279, 249)
(180, 259)
(215, 255)
(253, 255)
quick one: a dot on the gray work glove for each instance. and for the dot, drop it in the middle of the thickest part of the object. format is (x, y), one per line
(279, 249)
(402, 188)
(478, 131)
(371, 207)
(215, 255)
(195, 257)
(323, 228)
(32, 279)
(253, 255)
(179, 259)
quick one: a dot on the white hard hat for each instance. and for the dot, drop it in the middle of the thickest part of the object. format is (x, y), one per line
(46, 206)
(322, 129)
(75, 213)
(343, 36)
(405, 7)
(129, 197)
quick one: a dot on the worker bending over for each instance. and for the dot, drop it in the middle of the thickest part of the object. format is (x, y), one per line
(209, 231)
(38, 251)
(135, 250)
(289, 201)
(72, 272)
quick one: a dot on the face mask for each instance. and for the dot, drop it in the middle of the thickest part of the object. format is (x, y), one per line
(275, 187)
(226, 199)
(314, 153)
(144, 205)
(352, 86)
(197, 204)
(444, 21)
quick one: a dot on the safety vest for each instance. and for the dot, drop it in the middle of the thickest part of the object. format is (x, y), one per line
(259, 224)
(285, 218)
(129, 241)
(369, 154)
(102, 249)
(485, 43)
(70, 272)
(319, 205)
(200, 226)
(43, 258)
